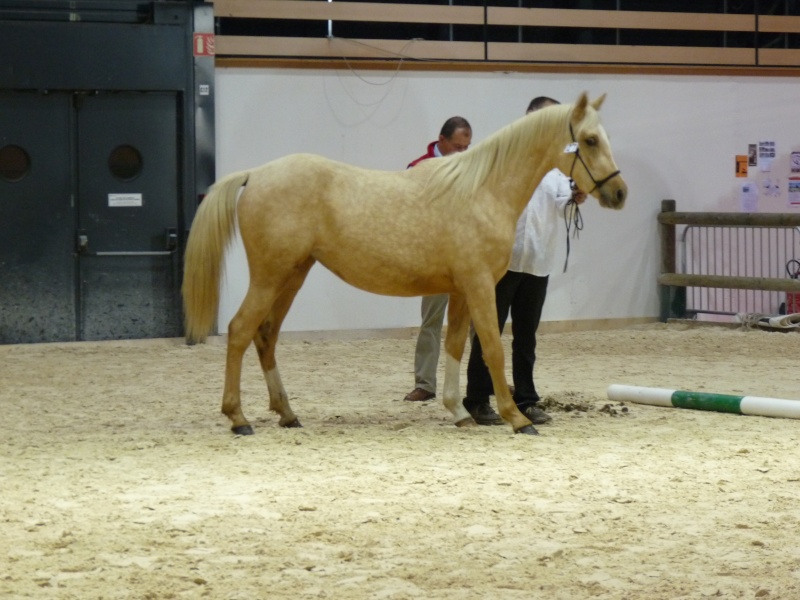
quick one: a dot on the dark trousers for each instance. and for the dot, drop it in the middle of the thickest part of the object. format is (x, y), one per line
(523, 296)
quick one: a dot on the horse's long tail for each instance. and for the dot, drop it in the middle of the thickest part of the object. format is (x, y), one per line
(211, 233)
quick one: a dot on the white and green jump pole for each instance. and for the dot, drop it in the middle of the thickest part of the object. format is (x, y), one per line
(740, 405)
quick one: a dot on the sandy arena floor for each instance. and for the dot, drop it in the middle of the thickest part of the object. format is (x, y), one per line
(119, 478)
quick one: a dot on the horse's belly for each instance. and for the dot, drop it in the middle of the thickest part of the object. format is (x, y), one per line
(388, 277)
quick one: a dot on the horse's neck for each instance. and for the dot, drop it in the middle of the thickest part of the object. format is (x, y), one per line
(529, 168)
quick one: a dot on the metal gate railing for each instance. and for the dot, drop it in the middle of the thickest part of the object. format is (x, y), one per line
(730, 263)
(737, 251)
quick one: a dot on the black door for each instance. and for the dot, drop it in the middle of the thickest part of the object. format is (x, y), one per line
(88, 216)
(128, 216)
(37, 219)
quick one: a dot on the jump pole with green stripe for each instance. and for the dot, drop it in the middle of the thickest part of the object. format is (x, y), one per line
(740, 405)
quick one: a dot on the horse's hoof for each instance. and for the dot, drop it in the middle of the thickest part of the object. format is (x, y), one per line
(527, 430)
(292, 423)
(467, 422)
(242, 430)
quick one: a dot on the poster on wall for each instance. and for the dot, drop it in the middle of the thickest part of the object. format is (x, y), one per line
(752, 155)
(794, 162)
(766, 154)
(741, 165)
(794, 192)
(770, 187)
(748, 197)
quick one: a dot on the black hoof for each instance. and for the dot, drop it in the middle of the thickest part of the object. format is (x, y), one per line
(527, 430)
(295, 423)
(242, 430)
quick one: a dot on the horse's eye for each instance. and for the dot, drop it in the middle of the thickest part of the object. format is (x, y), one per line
(591, 141)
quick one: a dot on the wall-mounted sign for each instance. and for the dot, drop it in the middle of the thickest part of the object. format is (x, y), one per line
(741, 165)
(117, 200)
(794, 163)
(766, 154)
(203, 44)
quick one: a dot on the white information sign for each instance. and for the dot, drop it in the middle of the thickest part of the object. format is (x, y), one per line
(116, 200)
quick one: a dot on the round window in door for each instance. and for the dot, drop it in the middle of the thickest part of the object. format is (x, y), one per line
(15, 163)
(125, 162)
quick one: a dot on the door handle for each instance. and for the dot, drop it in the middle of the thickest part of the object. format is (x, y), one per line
(125, 253)
(171, 242)
(172, 238)
(81, 242)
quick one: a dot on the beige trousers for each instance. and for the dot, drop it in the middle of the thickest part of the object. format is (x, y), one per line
(429, 341)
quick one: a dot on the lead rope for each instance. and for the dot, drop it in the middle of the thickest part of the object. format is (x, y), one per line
(572, 217)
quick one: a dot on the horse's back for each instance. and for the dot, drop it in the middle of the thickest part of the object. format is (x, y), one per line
(314, 182)
(294, 173)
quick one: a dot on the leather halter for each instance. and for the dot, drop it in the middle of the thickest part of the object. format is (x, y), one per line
(578, 157)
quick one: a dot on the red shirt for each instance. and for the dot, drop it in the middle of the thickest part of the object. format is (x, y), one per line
(430, 154)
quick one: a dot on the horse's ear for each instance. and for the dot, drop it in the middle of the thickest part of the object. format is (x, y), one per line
(597, 103)
(579, 110)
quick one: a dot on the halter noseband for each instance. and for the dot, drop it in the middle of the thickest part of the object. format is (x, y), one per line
(578, 157)
(575, 217)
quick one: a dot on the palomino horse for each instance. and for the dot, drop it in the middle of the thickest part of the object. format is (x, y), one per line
(302, 208)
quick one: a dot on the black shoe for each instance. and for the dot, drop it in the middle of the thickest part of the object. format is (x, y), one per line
(484, 414)
(536, 414)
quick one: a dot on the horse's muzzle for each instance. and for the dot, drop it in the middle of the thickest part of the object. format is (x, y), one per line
(613, 194)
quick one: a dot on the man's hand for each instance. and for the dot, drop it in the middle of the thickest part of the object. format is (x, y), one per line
(578, 196)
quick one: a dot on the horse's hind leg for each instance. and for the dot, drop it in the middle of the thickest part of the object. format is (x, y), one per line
(457, 327)
(266, 340)
(255, 307)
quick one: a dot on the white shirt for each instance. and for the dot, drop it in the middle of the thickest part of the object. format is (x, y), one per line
(536, 238)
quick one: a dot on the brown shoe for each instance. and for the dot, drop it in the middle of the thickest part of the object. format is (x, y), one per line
(419, 395)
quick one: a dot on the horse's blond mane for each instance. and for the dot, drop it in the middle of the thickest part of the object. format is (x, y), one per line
(462, 174)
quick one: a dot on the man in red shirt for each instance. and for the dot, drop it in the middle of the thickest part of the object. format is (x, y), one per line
(455, 136)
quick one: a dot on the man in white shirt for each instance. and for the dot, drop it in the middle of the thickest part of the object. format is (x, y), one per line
(522, 291)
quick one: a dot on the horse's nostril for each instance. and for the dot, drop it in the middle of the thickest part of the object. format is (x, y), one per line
(620, 195)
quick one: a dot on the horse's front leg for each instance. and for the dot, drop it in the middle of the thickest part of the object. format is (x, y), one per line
(483, 309)
(457, 327)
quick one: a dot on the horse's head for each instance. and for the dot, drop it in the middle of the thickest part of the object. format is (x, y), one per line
(588, 159)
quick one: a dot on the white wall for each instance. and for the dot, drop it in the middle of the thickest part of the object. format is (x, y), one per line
(673, 137)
